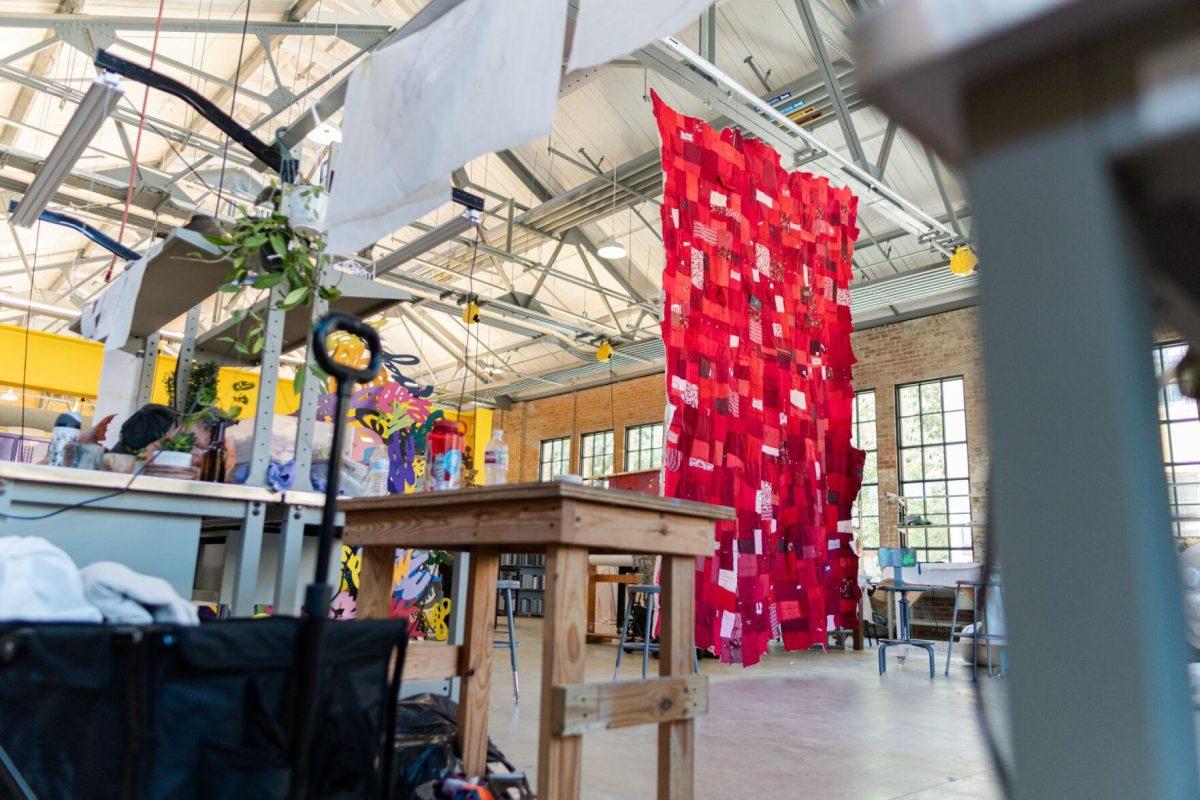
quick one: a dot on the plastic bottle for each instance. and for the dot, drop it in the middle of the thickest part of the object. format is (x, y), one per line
(377, 473)
(66, 430)
(495, 460)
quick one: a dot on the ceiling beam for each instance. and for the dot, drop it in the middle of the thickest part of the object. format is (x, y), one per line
(291, 25)
(43, 62)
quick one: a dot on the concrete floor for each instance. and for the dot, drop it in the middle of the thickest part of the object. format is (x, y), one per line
(797, 725)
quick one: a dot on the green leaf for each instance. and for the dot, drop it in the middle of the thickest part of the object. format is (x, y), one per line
(268, 281)
(256, 344)
(257, 240)
(278, 244)
(295, 297)
(241, 348)
(298, 381)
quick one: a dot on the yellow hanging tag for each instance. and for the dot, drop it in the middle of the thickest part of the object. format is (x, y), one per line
(470, 313)
(963, 261)
(604, 352)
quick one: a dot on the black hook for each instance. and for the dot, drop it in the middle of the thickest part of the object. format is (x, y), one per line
(345, 374)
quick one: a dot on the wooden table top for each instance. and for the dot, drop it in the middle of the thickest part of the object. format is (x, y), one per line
(529, 516)
(549, 490)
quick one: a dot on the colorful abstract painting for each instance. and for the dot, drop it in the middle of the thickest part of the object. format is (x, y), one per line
(397, 411)
(758, 366)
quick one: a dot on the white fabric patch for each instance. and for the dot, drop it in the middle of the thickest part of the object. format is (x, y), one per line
(700, 463)
(607, 29)
(411, 103)
(763, 498)
(764, 198)
(771, 451)
(735, 275)
(833, 544)
(688, 392)
(727, 620)
(717, 200)
(756, 404)
(727, 579)
(697, 268)
(733, 340)
(779, 304)
(798, 399)
(843, 297)
(687, 137)
(830, 623)
(845, 526)
(777, 329)
(762, 258)
(758, 541)
(675, 217)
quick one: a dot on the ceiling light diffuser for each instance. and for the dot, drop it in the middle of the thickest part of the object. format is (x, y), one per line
(611, 248)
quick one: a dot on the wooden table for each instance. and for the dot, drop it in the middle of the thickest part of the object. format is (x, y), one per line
(566, 521)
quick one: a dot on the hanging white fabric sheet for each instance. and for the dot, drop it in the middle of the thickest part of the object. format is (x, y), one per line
(482, 78)
(608, 29)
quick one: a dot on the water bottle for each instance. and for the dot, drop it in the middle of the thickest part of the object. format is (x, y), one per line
(495, 460)
(66, 430)
(377, 473)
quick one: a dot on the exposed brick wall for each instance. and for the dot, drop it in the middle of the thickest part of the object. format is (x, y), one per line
(938, 346)
(633, 402)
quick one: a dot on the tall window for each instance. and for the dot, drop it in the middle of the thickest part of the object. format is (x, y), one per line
(555, 458)
(934, 479)
(865, 513)
(1179, 424)
(596, 454)
(644, 446)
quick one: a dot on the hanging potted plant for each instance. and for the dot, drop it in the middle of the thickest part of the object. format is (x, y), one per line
(266, 251)
(305, 207)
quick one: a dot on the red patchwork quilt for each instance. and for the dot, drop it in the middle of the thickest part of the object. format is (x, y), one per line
(758, 361)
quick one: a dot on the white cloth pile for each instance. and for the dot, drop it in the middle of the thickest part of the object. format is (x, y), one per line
(483, 77)
(40, 583)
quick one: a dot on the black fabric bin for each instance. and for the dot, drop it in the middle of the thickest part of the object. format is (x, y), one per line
(90, 712)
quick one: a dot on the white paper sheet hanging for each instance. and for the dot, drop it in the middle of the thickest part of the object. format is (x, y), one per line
(482, 78)
(608, 29)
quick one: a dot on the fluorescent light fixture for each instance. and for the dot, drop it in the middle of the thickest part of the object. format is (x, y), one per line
(97, 104)
(611, 248)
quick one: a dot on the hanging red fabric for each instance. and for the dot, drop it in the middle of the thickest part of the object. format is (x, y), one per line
(757, 336)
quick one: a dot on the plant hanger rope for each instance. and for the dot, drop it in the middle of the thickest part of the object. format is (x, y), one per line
(137, 143)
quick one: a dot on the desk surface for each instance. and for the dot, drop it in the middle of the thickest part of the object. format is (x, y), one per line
(149, 484)
(529, 516)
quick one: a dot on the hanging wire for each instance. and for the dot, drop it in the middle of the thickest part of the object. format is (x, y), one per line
(37, 235)
(237, 80)
(137, 144)
(467, 338)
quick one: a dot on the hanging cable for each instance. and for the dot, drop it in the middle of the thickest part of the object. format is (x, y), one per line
(137, 144)
(237, 80)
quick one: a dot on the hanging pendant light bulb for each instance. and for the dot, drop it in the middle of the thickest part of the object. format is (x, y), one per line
(611, 248)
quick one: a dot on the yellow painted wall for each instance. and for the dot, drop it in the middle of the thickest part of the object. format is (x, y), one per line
(55, 363)
(70, 365)
(286, 400)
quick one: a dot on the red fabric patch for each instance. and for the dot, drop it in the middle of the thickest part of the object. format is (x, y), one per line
(757, 333)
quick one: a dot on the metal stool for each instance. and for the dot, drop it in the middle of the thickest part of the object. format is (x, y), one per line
(650, 590)
(507, 587)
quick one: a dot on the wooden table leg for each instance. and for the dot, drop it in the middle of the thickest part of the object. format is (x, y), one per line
(676, 745)
(375, 582)
(591, 600)
(476, 665)
(560, 758)
(858, 635)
